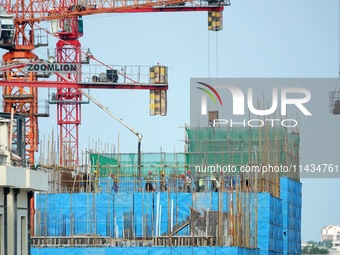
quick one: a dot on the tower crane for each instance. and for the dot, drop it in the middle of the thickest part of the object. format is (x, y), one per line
(22, 72)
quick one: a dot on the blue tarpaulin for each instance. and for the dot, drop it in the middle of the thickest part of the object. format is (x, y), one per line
(146, 214)
(290, 193)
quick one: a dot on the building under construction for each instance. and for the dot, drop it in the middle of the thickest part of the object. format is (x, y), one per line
(233, 190)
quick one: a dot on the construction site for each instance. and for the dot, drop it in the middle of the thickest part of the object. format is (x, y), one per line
(232, 190)
(254, 211)
(106, 204)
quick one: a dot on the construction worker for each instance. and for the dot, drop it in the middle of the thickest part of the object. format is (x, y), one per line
(189, 181)
(215, 184)
(162, 182)
(148, 184)
(199, 182)
(115, 183)
(186, 183)
(93, 181)
(85, 180)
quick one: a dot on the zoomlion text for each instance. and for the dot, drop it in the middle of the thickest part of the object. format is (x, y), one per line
(61, 68)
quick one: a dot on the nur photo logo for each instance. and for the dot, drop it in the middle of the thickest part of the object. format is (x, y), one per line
(211, 91)
(243, 102)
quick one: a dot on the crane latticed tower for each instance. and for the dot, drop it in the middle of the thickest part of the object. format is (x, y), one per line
(22, 72)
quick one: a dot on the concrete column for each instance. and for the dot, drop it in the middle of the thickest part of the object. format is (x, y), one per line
(30, 195)
(2, 232)
(16, 192)
(6, 192)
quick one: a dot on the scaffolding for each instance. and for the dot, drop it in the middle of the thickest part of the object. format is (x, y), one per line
(194, 199)
(254, 159)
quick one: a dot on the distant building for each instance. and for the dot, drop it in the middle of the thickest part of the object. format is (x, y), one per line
(331, 232)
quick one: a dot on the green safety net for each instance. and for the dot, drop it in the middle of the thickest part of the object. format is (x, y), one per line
(206, 147)
(236, 147)
(126, 164)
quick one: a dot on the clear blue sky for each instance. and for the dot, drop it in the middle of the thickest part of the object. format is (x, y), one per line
(264, 38)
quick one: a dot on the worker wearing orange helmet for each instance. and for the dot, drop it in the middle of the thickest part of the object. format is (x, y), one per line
(187, 181)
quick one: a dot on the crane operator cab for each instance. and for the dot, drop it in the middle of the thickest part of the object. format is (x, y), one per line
(6, 30)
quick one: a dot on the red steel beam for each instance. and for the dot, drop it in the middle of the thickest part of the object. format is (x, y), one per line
(82, 85)
(174, 9)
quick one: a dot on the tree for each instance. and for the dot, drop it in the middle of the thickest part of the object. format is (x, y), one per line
(312, 248)
(327, 243)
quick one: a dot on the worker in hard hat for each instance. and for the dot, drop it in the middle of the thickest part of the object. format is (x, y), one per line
(162, 182)
(189, 180)
(93, 181)
(115, 183)
(186, 182)
(215, 184)
(199, 182)
(148, 183)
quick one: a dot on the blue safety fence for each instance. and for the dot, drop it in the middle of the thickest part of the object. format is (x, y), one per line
(134, 215)
(110, 214)
(270, 229)
(290, 193)
(146, 251)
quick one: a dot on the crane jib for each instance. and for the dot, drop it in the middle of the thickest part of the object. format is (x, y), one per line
(60, 68)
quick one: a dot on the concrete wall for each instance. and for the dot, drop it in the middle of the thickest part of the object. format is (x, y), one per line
(23, 178)
(15, 185)
(14, 215)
